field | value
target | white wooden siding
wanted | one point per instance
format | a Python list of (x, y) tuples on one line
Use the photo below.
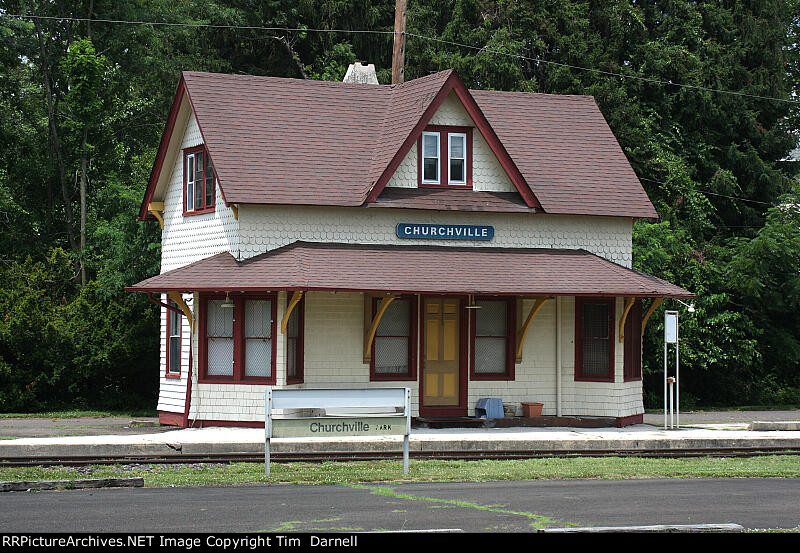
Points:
[(264, 228)]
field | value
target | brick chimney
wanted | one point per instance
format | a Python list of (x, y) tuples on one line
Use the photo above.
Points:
[(362, 74)]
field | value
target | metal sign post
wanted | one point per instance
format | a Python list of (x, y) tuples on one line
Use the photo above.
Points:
[(671, 337)]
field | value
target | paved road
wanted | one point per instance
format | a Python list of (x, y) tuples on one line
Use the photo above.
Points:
[(476, 507), (722, 417), (41, 427)]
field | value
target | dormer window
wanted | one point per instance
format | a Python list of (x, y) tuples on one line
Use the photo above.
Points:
[(430, 158), (445, 157), (199, 192)]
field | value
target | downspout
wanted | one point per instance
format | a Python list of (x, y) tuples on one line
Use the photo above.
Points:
[(558, 356)]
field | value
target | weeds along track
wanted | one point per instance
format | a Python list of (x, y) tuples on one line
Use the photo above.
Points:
[(379, 456)]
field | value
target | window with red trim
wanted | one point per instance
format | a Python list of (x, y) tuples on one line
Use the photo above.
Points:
[(594, 339), (237, 339), (445, 157), (199, 182), (394, 345), (492, 343), (294, 343), (174, 324), (633, 343)]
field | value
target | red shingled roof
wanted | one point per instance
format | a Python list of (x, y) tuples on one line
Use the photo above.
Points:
[(291, 141), (423, 269)]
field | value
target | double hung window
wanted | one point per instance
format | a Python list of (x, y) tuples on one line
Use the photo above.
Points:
[(238, 339), (633, 343), (594, 339), (173, 342), (294, 344), (199, 181), (445, 157), (394, 344), (493, 322)]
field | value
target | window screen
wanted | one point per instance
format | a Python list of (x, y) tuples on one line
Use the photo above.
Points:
[(392, 339), (219, 333), (258, 338), (491, 337), (596, 340)]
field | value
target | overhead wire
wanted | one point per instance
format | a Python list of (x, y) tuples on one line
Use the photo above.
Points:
[(437, 40)]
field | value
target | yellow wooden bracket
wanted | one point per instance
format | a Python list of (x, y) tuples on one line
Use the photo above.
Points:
[(156, 209), (628, 305), (537, 305), (296, 297), (178, 299), (384, 305), (235, 209), (653, 307)]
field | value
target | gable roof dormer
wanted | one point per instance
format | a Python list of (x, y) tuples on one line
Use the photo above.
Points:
[(288, 141)]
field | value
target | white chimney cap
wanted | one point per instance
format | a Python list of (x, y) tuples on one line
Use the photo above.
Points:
[(361, 74)]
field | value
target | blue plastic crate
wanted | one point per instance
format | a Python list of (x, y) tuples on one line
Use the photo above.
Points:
[(490, 408)]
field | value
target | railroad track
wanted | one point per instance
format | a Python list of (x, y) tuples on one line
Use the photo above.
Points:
[(378, 456)]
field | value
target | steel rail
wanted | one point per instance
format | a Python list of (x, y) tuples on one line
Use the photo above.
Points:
[(311, 457)]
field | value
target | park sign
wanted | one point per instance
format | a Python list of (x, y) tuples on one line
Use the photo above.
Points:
[(318, 427), (348, 412), (444, 232)]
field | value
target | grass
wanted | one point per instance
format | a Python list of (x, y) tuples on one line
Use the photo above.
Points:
[(782, 466), (76, 413), (712, 409)]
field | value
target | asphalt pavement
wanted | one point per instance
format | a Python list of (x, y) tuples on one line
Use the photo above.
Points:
[(519, 506)]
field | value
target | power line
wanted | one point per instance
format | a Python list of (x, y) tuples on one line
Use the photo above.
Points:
[(607, 73), (705, 192), (413, 35)]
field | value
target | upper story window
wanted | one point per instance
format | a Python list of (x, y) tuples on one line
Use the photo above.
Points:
[(199, 183), (445, 157)]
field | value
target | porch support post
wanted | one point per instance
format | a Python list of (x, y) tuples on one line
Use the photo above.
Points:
[(537, 305), (384, 305), (296, 297), (178, 299), (628, 305), (558, 355), (653, 307)]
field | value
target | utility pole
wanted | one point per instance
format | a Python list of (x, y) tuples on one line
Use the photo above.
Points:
[(399, 50)]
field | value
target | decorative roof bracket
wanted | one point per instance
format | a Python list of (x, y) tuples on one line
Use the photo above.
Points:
[(296, 297), (537, 305), (369, 338)]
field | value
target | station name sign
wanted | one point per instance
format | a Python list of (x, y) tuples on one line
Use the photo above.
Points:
[(444, 232), (337, 426)]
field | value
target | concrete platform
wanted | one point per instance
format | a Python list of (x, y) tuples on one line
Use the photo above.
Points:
[(251, 441)]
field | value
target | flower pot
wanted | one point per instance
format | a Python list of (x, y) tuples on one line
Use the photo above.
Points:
[(532, 410)]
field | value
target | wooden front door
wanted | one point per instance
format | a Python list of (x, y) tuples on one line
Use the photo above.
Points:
[(441, 354)]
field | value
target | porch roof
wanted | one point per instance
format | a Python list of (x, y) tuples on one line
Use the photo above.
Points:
[(416, 269)]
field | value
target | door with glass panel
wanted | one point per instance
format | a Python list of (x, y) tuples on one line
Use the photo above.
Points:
[(441, 352)]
